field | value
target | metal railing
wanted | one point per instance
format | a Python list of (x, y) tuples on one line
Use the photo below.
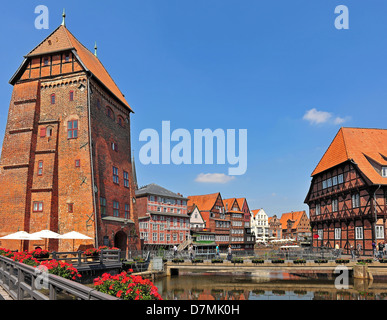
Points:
[(78, 258), (24, 282)]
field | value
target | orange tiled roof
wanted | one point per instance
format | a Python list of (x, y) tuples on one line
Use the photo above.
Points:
[(62, 39), (360, 145), (255, 212), (203, 202), (229, 203), (296, 216)]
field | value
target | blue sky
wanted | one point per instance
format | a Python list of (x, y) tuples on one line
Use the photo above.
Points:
[(269, 67)]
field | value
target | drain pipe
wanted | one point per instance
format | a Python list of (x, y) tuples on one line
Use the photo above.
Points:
[(91, 162)]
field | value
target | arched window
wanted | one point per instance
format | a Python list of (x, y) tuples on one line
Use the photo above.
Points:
[(121, 121), (109, 112), (53, 98)]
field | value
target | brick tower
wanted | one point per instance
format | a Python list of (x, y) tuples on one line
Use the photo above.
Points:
[(66, 156)]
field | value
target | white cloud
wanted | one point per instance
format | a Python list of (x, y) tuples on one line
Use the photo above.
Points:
[(213, 178), (315, 116)]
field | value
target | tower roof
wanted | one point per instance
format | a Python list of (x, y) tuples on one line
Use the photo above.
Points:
[(61, 39), (367, 148)]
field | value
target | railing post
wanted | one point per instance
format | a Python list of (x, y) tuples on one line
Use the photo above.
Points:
[(79, 258), (101, 257), (54, 256)]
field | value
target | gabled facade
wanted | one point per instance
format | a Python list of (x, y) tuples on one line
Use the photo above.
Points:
[(275, 228), (295, 225), (212, 209), (66, 163), (347, 195), (249, 237), (259, 224)]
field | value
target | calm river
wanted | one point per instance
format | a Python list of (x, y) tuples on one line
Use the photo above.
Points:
[(271, 286)]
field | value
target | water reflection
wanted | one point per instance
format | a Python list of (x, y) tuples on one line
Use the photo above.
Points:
[(278, 287)]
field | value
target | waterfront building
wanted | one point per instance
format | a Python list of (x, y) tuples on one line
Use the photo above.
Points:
[(66, 162), (162, 215), (237, 228), (348, 192), (213, 212), (275, 228), (248, 237), (295, 225), (260, 224)]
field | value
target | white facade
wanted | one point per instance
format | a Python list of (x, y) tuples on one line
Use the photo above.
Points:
[(260, 225), (196, 220)]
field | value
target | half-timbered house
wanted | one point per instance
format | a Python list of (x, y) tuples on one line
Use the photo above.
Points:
[(347, 195)]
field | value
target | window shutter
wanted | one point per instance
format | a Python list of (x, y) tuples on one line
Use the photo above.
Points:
[(42, 132)]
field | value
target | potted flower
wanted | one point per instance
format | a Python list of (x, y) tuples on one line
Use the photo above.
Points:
[(299, 261), (217, 260), (237, 260), (278, 260), (342, 261), (256, 260), (127, 287), (40, 254)]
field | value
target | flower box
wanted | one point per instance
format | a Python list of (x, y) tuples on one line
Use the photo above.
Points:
[(321, 261), (383, 260), (278, 261), (257, 261), (177, 260), (237, 260), (217, 260), (299, 261), (197, 260), (342, 260)]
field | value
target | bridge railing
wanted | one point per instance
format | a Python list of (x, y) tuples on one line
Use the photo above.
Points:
[(24, 282), (78, 258)]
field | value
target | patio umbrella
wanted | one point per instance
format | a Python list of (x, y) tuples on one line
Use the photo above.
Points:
[(74, 235), (20, 235), (46, 234)]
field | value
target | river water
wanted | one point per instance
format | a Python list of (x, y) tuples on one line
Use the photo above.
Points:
[(270, 286)]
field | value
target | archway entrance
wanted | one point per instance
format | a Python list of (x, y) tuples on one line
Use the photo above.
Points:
[(120, 241)]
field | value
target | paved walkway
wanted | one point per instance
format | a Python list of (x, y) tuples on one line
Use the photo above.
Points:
[(4, 295)]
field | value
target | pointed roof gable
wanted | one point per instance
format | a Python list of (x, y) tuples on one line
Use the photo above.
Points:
[(61, 39), (296, 216), (204, 202), (229, 204), (366, 147)]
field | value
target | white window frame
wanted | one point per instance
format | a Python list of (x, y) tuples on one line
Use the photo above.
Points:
[(318, 209), (384, 172), (379, 232), (359, 233), (320, 233), (337, 233), (335, 205)]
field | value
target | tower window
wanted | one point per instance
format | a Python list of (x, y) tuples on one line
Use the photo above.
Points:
[(126, 179), (38, 206), (77, 163), (127, 211), (70, 207), (40, 168), (102, 203), (71, 96), (53, 98), (72, 129), (109, 113), (115, 175), (116, 209)]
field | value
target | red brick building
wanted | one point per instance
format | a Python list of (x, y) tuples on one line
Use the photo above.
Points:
[(212, 209), (275, 228), (348, 193), (295, 225), (162, 215), (66, 162)]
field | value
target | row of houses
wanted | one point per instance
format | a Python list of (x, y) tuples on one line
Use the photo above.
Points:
[(167, 218), (294, 225)]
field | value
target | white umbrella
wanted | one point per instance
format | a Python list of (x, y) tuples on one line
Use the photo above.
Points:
[(46, 234), (74, 235), (20, 235)]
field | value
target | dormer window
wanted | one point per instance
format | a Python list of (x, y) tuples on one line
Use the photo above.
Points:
[(384, 172)]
